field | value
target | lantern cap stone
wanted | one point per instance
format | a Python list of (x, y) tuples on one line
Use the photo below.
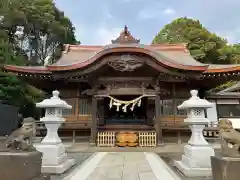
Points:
[(195, 102), (54, 102)]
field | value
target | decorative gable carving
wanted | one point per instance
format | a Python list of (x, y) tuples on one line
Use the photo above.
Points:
[(125, 63), (125, 37)]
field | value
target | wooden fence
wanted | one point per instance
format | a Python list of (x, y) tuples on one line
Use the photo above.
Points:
[(106, 139), (147, 139)]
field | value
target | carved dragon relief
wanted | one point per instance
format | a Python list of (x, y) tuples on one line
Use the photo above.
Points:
[(125, 63), (230, 139)]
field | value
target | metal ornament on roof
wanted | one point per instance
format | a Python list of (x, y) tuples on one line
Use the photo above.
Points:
[(125, 63), (125, 37)]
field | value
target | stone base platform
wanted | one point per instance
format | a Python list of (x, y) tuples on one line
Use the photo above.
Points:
[(192, 172), (59, 169), (195, 161), (225, 168), (55, 159), (23, 165)]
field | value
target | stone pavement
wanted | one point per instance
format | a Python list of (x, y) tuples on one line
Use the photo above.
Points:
[(124, 166), (164, 148)]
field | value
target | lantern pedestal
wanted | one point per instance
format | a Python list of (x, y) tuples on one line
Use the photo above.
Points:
[(55, 159), (52, 130), (195, 161), (197, 153)]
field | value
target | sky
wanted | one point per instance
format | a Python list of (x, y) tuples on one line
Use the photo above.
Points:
[(97, 22)]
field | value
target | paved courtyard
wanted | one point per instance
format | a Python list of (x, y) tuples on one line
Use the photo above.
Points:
[(94, 163), (124, 166)]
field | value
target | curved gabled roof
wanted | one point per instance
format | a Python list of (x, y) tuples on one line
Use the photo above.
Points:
[(80, 56), (174, 56), (222, 68), (169, 55), (28, 69)]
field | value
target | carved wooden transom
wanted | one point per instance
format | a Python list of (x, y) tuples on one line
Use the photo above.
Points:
[(125, 63)]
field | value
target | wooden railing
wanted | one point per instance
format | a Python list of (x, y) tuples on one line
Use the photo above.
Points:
[(143, 139), (147, 139), (106, 139)]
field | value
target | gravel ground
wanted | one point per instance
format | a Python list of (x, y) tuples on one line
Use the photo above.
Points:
[(170, 157), (79, 158)]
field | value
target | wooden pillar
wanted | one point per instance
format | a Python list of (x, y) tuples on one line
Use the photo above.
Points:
[(77, 105), (158, 127), (94, 121), (150, 110), (100, 110), (174, 103)]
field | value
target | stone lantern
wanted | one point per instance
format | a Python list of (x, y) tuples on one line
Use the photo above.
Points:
[(197, 153), (54, 159)]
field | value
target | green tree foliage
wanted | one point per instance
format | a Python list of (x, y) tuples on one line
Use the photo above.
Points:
[(7, 53), (38, 27), (31, 31), (230, 53), (223, 86), (12, 90), (203, 45)]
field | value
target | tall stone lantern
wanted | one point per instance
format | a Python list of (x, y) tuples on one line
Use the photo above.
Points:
[(54, 159), (197, 153)]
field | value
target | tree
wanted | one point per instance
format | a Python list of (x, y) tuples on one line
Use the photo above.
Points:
[(37, 27), (230, 53), (30, 31), (203, 45)]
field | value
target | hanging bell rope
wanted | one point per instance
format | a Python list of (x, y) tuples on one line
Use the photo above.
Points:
[(124, 104)]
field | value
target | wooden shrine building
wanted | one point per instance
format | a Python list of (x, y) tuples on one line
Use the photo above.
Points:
[(124, 91)]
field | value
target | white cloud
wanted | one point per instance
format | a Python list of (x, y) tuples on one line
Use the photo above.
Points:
[(106, 13), (104, 35), (126, 1), (146, 14), (232, 36), (155, 11), (168, 11)]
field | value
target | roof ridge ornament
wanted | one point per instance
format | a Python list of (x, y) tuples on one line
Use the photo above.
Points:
[(125, 37)]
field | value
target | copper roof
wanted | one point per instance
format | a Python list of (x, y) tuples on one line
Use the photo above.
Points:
[(28, 69), (175, 56), (168, 55), (80, 56)]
